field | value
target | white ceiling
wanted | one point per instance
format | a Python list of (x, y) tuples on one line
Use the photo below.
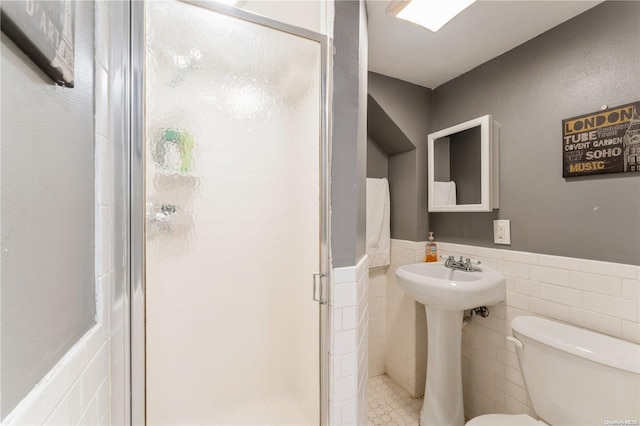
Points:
[(482, 32)]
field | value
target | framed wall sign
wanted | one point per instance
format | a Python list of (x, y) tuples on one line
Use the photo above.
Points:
[(44, 30), (607, 141)]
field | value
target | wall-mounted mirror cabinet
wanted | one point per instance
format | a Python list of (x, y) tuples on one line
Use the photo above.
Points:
[(464, 167)]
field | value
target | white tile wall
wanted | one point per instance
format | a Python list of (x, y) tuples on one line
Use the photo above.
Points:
[(599, 296), (362, 283), (377, 319), (406, 326), (74, 390), (77, 390), (348, 356)]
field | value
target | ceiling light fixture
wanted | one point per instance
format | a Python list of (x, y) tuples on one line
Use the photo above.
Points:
[(431, 14)]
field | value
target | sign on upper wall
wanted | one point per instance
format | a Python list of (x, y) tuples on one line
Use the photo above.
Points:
[(44, 30), (606, 141)]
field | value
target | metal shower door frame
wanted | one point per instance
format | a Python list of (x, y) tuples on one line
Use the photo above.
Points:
[(138, 204)]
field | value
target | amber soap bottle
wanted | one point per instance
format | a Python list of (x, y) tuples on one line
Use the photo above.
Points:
[(431, 254)]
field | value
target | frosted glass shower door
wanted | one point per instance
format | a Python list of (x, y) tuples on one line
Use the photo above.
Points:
[(233, 140)]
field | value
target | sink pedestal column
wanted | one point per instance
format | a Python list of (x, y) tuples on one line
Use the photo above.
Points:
[(443, 404)]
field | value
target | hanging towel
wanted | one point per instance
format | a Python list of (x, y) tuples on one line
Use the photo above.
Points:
[(378, 222), (444, 193)]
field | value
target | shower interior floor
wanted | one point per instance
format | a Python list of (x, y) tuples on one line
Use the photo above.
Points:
[(390, 405)]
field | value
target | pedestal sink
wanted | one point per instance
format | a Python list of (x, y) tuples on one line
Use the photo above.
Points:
[(446, 293)]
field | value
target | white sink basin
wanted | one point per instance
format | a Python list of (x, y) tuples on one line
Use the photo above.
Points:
[(446, 294), (434, 285)]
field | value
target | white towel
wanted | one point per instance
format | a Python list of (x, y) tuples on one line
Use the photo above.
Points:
[(378, 222), (444, 193)]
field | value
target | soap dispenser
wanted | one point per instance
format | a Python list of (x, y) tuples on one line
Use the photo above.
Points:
[(431, 254)]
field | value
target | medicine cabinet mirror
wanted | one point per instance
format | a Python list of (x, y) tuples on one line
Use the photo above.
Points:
[(463, 167)]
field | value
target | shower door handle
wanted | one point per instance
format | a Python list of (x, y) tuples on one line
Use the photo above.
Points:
[(317, 277)]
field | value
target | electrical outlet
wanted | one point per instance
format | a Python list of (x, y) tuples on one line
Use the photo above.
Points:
[(502, 231)]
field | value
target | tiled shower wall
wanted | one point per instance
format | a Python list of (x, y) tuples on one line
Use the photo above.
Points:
[(599, 296), (77, 389), (348, 355)]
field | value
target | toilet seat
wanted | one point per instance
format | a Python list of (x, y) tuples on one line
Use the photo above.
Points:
[(505, 420)]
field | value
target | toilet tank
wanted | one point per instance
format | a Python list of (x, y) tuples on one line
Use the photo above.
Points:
[(576, 376)]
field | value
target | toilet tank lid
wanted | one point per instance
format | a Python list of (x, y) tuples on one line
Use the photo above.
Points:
[(586, 344)]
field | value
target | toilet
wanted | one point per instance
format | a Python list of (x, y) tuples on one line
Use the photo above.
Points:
[(573, 376)]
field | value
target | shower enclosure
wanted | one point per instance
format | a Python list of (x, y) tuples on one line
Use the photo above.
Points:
[(227, 300)]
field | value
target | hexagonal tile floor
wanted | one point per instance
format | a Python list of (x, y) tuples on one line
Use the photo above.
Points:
[(390, 405)]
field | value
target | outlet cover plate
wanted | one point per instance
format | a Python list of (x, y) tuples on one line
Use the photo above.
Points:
[(502, 231)]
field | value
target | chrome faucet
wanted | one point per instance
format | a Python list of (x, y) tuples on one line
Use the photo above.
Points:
[(462, 265)]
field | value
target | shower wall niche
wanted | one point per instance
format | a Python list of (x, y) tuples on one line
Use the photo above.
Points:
[(399, 120)]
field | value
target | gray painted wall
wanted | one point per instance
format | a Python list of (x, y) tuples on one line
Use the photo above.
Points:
[(377, 160), (363, 85), (442, 155), (464, 165), (410, 108), (403, 193), (348, 168), (591, 60), (385, 131), (47, 167)]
